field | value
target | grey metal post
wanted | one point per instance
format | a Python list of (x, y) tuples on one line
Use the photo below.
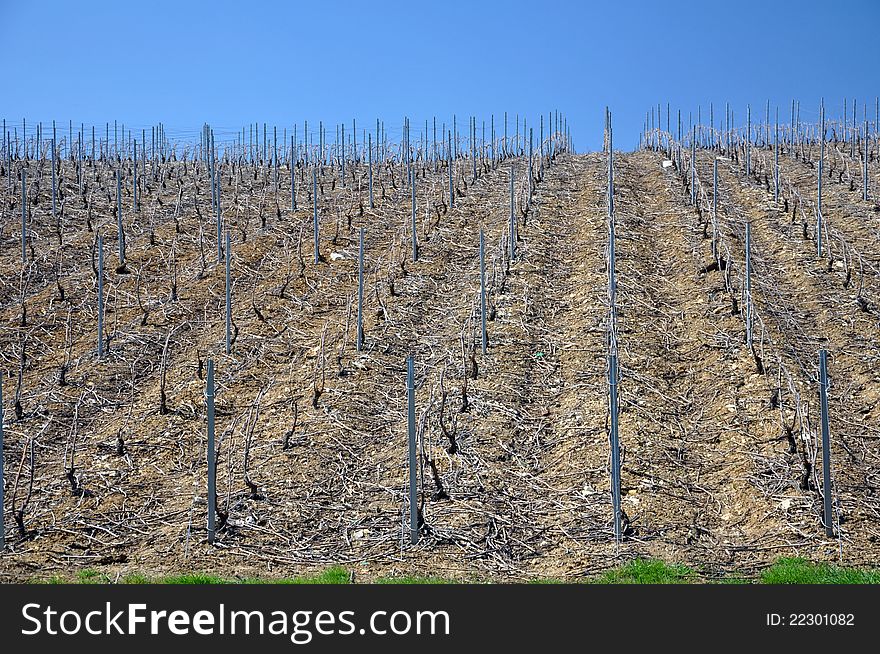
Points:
[(612, 345), (866, 146), (715, 207), (54, 184), (216, 182), (23, 216), (411, 432), (749, 283), (819, 181), (776, 158), (852, 141), (415, 242), (292, 172), (134, 184), (531, 171), (749, 141), (120, 239), (100, 296), (826, 443), (610, 166), (449, 163), (211, 174), (711, 124), (7, 140), (492, 139), (406, 149), (474, 146), (612, 254), (512, 218), (343, 155), (2, 524), (615, 444), (315, 211), (212, 459), (679, 126), (228, 296), (378, 142), (360, 316), (694, 165), (484, 335), (370, 164), (541, 140)]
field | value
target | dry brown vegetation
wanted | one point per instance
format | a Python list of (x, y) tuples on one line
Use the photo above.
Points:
[(106, 459)]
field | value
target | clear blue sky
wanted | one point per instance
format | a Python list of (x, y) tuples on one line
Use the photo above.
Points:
[(229, 63)]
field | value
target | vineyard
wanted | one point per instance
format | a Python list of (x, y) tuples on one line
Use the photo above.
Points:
[(473, 354)]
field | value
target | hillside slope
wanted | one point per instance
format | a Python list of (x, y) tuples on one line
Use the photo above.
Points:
[(514, 459)]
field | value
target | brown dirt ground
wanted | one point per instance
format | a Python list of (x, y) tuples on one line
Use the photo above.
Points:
[(708, 477)]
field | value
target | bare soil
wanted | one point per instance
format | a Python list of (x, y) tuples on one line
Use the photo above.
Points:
[(721, 465)]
